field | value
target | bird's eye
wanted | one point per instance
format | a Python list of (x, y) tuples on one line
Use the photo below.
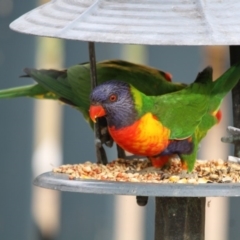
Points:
[(113, 98)]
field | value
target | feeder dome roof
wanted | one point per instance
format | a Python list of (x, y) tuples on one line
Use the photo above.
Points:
[(165, 22)]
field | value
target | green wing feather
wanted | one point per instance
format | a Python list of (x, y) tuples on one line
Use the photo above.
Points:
[(73, 85), (182, 111)]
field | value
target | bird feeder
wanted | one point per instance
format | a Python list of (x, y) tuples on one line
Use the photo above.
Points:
[(180, 208)]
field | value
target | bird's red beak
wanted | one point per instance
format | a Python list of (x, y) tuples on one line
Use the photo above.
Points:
[(96, 111)]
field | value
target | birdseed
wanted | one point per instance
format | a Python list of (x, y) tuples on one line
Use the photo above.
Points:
[(125, 170)]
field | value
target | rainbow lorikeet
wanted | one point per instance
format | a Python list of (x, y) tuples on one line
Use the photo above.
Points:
[(73, 86), (159, 126)]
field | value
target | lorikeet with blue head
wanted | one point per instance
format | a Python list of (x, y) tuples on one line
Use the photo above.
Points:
[(160, 126), (73, 85)]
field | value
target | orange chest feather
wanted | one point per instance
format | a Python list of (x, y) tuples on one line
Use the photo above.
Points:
[(146, 137)]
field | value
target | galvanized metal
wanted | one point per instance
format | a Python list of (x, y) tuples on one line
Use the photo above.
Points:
[(58, 181), (168, 22)]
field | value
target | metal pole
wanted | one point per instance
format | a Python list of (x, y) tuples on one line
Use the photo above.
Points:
[(92, 59), (180, 218), (100, 152)]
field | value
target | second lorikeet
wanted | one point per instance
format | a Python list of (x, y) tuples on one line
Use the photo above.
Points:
[(73, 85), (159, 126)]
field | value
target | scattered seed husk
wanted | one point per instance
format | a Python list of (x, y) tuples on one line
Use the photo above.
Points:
[(125, 170)]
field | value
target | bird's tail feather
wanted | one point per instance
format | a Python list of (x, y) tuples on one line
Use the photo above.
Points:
[(34, 90), (227, 81)]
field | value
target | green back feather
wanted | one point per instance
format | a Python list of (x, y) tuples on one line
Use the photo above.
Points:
[(73, 86)]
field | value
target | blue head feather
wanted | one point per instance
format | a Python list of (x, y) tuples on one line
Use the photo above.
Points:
[(120, 112)]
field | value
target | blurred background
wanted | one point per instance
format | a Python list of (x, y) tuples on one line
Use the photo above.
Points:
[(36, 136)]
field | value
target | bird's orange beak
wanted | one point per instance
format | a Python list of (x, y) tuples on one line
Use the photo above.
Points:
[(96, 111)]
